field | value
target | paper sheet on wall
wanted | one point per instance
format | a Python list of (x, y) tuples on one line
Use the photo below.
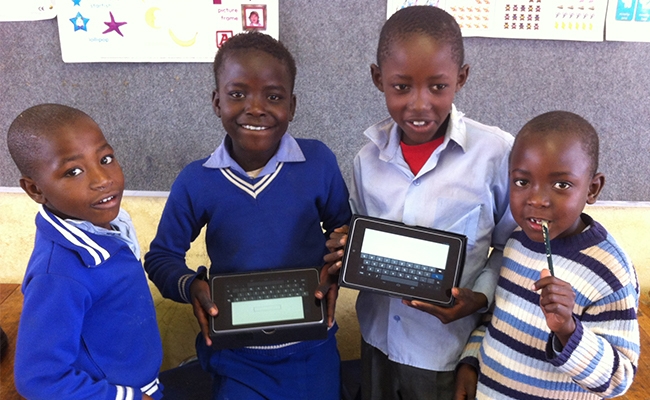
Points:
[(157, 30), (628, 20), (26, 10), (522, 19)]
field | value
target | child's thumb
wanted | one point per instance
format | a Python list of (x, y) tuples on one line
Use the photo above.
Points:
[(545, 272)]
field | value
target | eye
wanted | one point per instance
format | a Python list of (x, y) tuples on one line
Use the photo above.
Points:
[(275, 97), (439, 86), (236, 95), (400, 87), (520, 182), (562, 185), (73, 172), (107, 159)]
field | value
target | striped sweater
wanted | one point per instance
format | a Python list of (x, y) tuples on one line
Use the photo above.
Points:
[(516, 354)]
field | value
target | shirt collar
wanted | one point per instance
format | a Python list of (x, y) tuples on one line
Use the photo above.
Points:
[(288, 151), (85, 239), (385, 135), (123, 229)]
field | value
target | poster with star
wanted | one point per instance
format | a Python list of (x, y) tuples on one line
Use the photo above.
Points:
[(157, 30), (628, 20), (582, 20)]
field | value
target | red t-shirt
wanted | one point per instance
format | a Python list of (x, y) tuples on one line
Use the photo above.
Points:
[(417, 155)]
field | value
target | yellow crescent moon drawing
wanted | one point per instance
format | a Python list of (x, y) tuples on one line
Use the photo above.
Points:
[(150, 17), (184, 43)]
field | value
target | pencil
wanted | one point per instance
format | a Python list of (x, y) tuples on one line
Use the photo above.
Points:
[(547, 244)]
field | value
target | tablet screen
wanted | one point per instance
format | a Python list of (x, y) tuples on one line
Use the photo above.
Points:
[(267, 310), (404, 248)]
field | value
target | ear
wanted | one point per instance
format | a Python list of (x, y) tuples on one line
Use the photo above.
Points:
[(595, 187), (31, 188), (463, 74), (292, 107), (375, 72), (215, 102)]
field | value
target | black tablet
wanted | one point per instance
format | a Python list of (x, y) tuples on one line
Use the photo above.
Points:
[(410, 262), (266, 308)]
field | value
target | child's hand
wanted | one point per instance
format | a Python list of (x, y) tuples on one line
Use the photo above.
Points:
[(557, 300), (335, 245), (203, 305), (466, 303), (328, 290), (466, 380), (145, 397)]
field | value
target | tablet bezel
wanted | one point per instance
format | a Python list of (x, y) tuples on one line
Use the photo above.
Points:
[(350, 276), (314, 310)]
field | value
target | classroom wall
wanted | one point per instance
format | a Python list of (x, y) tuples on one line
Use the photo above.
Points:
[(158, 116), (627, 222)]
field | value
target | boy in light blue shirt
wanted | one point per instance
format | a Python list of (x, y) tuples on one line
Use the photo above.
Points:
[(430, 166)]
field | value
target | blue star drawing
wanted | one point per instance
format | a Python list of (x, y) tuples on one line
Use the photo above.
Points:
[(76, 3), (79, 22), (114, 26)]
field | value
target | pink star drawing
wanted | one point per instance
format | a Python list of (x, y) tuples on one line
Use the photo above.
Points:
[(114, 26)]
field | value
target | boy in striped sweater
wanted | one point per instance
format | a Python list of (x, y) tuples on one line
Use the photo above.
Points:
[(571, 335)]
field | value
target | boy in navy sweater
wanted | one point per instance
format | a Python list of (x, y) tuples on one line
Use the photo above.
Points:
[(262, 196), (88, 328)]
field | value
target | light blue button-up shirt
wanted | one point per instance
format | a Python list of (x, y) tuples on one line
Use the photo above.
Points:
[(462, 188)]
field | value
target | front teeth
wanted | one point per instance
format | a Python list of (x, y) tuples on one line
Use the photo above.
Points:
[(418, 123), (106, 200), (254, 128)]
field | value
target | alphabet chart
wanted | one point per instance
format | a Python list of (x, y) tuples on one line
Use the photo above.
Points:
[(524, 19), (157, 30)]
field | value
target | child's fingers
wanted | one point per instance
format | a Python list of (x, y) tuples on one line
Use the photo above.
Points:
[(545, 279), (335, 268), (328, 289), (333, 257), (332, 295), (336, 241), (202, 317)]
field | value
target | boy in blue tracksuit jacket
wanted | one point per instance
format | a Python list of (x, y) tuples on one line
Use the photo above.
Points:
[(88, 328)]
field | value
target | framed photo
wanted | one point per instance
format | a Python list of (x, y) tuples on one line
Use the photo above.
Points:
[(254, 16)]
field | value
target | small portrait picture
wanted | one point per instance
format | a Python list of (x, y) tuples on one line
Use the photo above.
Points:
[(254, 16)]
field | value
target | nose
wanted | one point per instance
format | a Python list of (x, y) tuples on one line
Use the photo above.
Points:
[(100, 178), (538, 197), (420, 100), (255, 105)]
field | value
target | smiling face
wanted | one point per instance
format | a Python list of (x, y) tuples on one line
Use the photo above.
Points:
[(419, 78), (551, 180), (255, 102), (78, 176)]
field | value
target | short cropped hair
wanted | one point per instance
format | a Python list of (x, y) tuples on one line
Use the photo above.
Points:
[(566, 123), (254, 40), (29, 129), (422, 20)]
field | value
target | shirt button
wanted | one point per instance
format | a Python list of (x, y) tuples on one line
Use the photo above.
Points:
[(416, 182), (396, 318)]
